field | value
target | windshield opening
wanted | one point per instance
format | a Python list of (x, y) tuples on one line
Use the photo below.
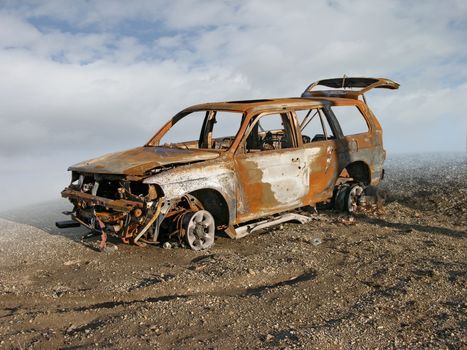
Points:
[(203, 129)]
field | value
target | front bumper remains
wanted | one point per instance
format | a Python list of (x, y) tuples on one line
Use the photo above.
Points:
[(135, 222)]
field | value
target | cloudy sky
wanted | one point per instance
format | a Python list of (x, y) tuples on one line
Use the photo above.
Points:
[(81, 78)]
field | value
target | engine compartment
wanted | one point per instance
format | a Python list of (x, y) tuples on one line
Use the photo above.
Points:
[(136, 212)]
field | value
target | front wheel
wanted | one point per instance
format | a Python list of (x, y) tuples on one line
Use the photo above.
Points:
[(199, 229)]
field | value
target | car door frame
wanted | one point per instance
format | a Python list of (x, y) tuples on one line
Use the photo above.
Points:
[(259, 193), (321, 158)]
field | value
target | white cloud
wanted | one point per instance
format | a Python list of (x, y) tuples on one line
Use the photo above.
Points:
[(80, 78)]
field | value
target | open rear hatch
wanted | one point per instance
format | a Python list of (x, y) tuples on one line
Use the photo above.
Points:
[(351, 87)]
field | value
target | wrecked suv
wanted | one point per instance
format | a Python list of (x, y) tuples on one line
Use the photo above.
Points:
[(235, 166)]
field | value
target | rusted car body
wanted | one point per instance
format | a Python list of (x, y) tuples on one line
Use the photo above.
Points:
[(191, 189)]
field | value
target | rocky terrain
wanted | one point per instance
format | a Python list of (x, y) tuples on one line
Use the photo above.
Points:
[(394, 278)]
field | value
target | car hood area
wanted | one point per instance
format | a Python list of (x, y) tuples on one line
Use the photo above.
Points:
[(138, 161)]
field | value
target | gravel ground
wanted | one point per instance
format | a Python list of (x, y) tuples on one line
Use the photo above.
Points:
[(393, 279)]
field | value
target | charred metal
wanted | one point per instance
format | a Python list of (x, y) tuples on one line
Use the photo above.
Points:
[(282, 155)]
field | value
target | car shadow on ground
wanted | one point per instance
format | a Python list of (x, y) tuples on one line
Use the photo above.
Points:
[(404, 227)]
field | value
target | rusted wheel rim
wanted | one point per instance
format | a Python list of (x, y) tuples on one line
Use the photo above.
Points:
[(355, 191), (200, 230)]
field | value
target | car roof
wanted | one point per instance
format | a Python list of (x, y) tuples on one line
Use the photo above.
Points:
[(263, 104)]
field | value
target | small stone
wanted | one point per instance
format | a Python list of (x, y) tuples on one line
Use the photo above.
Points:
[(316, 241), (110, 249)]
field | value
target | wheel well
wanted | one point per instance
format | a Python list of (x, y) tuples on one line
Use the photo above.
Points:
[(360, 172), (215, 203)]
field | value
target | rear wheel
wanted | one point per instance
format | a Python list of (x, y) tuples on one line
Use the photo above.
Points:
[(352, 198), (199, 229), (339, 197), (347, 196)]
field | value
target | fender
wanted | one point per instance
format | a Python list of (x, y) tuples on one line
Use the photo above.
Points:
[(179, 181)]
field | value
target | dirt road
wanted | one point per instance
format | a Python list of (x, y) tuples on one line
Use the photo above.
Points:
[(395, 279)]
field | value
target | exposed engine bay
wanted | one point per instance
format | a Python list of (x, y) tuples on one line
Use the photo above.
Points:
[(136, 212)]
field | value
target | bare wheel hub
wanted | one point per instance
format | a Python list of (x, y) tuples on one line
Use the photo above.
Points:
[(347, 197), (200, 229), (354, 193)]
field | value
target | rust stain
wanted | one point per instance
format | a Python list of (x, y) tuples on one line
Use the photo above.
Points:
[(138, 161), (255, 196)]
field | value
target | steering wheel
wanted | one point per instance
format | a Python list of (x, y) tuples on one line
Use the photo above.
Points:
[(268, 142)]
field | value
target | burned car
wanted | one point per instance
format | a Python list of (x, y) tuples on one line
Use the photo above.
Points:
[(236, 167)]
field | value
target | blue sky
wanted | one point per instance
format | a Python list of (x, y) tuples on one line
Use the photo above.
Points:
[(83, 78)]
